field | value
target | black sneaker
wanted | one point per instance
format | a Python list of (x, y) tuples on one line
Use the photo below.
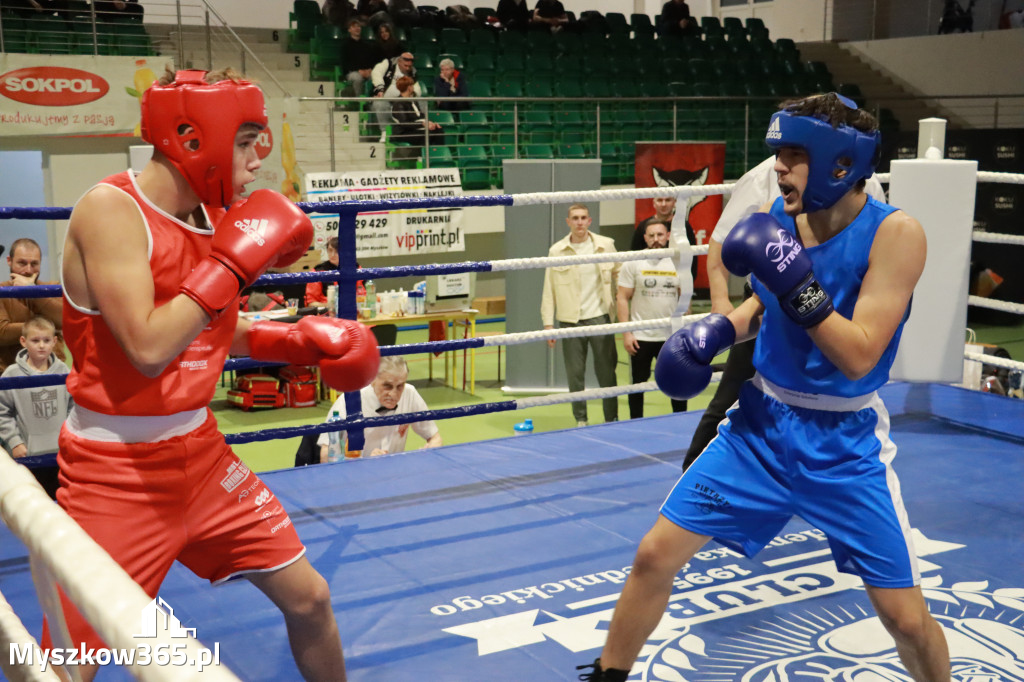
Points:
[(598, 674)]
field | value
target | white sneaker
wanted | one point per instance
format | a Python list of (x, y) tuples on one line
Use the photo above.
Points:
[(383, 138), (581, 423)]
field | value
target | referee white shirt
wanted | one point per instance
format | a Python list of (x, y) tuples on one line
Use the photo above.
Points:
[(387, 438)]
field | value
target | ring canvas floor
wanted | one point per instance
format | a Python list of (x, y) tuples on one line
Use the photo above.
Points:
[(503, 559)]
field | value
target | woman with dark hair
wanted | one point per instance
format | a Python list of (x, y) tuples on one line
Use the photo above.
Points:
[(316, 292), (388, 46)]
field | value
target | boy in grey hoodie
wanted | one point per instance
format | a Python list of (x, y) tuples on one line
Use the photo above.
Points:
[(31, 418)]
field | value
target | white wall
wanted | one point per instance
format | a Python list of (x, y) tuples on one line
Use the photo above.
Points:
[(985, 63)]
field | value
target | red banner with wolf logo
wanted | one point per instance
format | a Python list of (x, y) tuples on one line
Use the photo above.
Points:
[(668, 164)]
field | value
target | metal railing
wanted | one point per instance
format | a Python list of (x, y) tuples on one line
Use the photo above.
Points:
[(169, 29), (606, 127)]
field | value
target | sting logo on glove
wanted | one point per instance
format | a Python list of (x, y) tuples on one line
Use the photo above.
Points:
[(809, 299), (777, 251)]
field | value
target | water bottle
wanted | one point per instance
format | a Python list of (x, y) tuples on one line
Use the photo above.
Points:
[(524, 428), (335, 441), (371, 298)]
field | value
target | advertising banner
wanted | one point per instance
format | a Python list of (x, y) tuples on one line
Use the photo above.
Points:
[(680, 164), (42, 95), (391, 233)]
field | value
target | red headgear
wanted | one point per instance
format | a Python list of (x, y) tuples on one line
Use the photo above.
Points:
[(214, 112)]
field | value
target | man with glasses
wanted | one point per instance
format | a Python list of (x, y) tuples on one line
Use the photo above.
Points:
[(384, 77)]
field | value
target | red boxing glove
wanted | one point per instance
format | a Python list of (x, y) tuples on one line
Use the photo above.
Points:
[(345, 350), (266, 230)]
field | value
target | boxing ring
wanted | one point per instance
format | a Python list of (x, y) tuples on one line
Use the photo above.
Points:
[(503, 559)]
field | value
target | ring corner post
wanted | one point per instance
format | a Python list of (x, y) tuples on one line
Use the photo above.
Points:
[(347, 267)]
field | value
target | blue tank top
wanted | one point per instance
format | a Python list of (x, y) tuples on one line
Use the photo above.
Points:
[(784, 353)]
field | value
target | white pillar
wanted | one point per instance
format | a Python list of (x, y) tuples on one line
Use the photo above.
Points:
[(940, 195)]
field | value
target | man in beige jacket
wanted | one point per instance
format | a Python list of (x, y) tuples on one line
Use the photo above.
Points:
[(583, 295)]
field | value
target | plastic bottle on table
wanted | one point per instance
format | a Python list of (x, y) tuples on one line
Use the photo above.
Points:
[(371, 298), (335, 441), (524, 428), (360, 300), (332, 300)]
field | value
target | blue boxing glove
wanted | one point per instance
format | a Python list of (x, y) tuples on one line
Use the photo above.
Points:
[(758, 244), (683, 368)]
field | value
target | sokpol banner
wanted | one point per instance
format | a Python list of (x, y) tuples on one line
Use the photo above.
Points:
[(62, 95), (45, 95), (391, 233)]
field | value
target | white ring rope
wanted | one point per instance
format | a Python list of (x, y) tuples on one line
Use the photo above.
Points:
[(983, 176), (1001, 178), (1005, 306), (518, 338), (13, 633), (106, 595), (1005, 363), (614, 257), (997, 238), (589, 394), (678, 191), (592, 394)]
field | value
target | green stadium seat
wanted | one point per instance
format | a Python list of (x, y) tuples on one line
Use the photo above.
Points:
[(50, 35), (510, 41), (453, 39), (15, 33), (324, 55), (498, 153), (486, 39), (437, 156), (421, 35), (609, 155), (642, 26), (617, 24), (539, 87), (131, 38), (503, 120), (538, 151), (445, 118), (470, 156), (755, 25), (302, 22), (478, 88), (733, 25), (710, 23), (575, 134), (482, 14), (571, 151), (482, 61)]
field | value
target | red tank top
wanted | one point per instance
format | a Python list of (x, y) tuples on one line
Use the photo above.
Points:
[(102, 379)]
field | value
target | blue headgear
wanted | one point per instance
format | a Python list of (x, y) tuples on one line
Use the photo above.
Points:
[(828, 150)]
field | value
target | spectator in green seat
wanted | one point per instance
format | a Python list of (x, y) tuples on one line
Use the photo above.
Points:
[(450, 83)]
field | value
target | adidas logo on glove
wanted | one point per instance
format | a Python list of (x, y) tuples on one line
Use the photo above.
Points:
[(256, 228), (774, 131)]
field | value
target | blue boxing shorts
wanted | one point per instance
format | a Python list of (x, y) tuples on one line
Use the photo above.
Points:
[(780, 453)]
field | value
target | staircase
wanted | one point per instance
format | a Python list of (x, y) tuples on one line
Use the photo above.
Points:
[(878, 88), (311, 128)]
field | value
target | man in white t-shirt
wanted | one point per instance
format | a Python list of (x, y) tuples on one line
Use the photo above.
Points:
[(757, 187), (578, 296), (388, 394), (648, 290)]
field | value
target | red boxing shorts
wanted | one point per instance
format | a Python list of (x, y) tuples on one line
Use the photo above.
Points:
[(188, 498)]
